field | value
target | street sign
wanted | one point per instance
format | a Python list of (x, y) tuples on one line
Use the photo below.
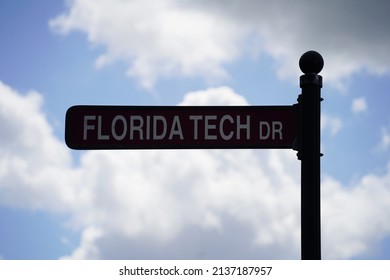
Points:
[(295, 127), (180, 127)]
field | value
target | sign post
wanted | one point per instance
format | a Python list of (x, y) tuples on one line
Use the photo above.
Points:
[(311, 63), (220, 127)]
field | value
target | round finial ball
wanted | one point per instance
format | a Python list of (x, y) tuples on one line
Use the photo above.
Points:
[(311, 62)]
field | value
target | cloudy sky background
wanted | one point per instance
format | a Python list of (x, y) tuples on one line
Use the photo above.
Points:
[(192, 204)]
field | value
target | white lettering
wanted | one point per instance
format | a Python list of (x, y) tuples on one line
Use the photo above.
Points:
[(277, 129), (196, 119), (222, 131), (87, 126), (244, 126), (100, 135), (273, 130), (208, 127), (176, 128), (134, 127), (265, 135), (163, 121), (147, 127), (113, 128)]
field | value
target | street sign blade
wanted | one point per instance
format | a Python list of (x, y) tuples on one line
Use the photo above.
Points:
[(180, 127)]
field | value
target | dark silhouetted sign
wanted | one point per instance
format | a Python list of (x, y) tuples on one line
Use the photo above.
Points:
[(295, 127), (180, 127)]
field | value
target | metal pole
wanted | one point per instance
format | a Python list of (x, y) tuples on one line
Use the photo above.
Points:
[(309, 110)]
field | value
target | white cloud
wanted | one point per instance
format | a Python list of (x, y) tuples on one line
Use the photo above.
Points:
[(351, 36), (88, 248), (385, 139), (359, 105), (157, 39), (351, 216), (331, 124), (180, 204), (214, 96), (34, 165), (198, 38)]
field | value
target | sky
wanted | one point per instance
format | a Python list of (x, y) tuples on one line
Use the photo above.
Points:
[(57, 203)]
